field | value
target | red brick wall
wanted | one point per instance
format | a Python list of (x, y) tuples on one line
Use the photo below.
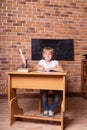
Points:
[(22, 20)]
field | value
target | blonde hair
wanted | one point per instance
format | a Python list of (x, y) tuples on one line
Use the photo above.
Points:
[(51, 50)]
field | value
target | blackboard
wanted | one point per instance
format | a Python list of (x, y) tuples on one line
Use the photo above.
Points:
[(63, 48)]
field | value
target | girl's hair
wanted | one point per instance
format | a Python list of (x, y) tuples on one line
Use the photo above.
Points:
[(51, 50)]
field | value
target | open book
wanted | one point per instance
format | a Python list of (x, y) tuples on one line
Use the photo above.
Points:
[(50, 71), (55, 70)]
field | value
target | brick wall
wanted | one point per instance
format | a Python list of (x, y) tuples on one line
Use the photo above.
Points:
[(22, 20)]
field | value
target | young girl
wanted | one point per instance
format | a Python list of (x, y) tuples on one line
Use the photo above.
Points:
[(47, 64)]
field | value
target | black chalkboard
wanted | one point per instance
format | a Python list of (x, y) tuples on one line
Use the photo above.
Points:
[(63, 48)]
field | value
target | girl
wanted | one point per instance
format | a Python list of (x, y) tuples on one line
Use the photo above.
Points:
[(48, 64)]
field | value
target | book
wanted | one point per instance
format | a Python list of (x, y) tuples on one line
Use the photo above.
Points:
[(23, 70), (50, 71), (55, 71)]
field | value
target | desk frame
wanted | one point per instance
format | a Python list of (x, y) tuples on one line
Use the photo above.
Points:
[(38, 81)]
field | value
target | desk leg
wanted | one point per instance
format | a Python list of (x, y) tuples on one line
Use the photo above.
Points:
[(11, 91), (14, 110), (62, 121), (62, 116)]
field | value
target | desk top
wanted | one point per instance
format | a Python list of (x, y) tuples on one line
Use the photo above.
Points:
[(36, 73)]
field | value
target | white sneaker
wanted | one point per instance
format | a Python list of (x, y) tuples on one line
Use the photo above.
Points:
[(51, 114), (45, 113)]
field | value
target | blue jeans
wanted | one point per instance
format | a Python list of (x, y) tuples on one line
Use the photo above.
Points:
[(56, 98)]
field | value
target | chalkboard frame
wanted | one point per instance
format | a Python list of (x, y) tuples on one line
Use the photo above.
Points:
[(63, 48)]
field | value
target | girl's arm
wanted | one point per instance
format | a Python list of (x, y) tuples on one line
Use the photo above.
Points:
[(38, 67), (56, 68)]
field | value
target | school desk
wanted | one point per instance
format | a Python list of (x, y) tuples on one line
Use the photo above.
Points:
[(37, 81)]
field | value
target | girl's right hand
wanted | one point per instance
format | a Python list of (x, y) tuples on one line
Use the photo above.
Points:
[(41, 68)]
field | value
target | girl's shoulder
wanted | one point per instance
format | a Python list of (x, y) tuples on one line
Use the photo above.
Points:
[(42, 61), (54, 61)]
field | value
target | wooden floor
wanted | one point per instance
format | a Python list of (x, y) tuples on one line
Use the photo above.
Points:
[(75, 116)]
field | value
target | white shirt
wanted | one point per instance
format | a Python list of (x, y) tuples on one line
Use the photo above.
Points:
[(52, 64)]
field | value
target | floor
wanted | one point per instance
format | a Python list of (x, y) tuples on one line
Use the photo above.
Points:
[(75, 115)]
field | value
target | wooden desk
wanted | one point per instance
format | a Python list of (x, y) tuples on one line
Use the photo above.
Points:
[(38, 81)]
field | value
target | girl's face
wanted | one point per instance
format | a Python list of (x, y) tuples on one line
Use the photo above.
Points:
[(47, 55)]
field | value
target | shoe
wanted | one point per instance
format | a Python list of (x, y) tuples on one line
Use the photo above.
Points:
[(45, 113), (51, 114)]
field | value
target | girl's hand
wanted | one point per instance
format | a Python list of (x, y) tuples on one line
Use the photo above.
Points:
[(47, 69), (41, 68)]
